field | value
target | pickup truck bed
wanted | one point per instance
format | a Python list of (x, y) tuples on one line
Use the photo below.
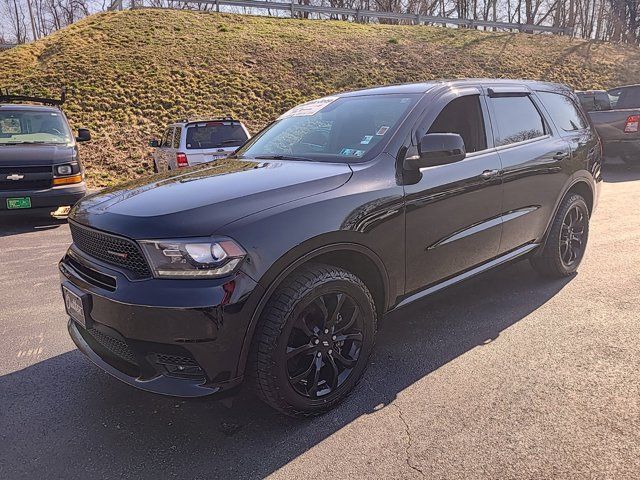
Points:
[(615, 115)]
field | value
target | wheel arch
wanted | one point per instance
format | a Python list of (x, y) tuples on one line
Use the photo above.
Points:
[(580, 185), (356, 258)]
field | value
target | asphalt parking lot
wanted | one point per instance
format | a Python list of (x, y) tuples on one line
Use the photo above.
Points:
[(508, 375)]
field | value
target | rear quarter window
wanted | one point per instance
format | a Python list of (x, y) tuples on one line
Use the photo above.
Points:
[(517, 120), (563, 111)]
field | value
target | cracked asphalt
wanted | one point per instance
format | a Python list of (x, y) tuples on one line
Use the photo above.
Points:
[(506, 376)]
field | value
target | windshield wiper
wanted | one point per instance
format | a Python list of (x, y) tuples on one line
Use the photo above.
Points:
[(38, 142), (281, 157)]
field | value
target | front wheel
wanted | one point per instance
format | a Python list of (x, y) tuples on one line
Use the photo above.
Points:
[(313, 340), (567, 240)]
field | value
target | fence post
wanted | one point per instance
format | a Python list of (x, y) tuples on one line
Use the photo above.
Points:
[(217, 6), (418, 19), (357, 15), (292, 12)]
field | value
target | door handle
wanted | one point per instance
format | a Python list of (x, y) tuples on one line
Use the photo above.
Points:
[(560, 155), (489, 174)]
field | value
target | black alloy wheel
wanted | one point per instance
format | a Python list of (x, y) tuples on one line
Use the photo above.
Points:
[(313, 340), (567, 239), (324, 344), (572, 235)]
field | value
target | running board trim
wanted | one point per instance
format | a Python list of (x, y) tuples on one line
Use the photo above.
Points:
[(468, 274)]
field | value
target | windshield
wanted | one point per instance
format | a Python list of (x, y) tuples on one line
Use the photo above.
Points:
[(215, 135), (332, 129), (28, 126)]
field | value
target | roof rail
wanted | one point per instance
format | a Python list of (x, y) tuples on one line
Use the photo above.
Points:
[(227, 118), (6, 97)]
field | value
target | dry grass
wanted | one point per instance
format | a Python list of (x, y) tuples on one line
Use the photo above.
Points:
[(132, 72)]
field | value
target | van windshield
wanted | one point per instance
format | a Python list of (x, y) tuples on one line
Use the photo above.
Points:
[(215, 135), (332, 129), (26, 127)]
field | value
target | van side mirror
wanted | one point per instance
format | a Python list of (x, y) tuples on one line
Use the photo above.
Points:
[(84, 135), (154, 143), (437, 149)]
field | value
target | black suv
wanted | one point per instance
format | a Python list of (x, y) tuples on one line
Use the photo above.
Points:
[(274, 265), (40, 169)]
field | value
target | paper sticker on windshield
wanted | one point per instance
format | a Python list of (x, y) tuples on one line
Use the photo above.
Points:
[(366, 139), (382, 130), (309, 108), (351, 152)]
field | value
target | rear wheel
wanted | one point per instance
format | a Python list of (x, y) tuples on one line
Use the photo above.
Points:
[(313, 340), (567, 240)]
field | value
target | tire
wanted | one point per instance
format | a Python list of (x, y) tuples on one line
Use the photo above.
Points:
[(559, 257), (335, 341)]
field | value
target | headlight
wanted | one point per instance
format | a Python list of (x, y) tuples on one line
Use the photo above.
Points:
[(64, 170), (193, 258)]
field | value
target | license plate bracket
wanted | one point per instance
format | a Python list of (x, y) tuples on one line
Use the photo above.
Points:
[(15, 203), (77, 305)]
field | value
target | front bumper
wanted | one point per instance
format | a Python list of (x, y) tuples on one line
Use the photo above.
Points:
[(51, 198), (173, 337)]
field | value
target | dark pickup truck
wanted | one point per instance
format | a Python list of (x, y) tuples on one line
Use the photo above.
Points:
[(39, 165), (615, 114)]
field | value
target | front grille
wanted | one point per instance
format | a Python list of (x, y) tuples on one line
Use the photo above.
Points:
[(24, 184), (112, 249), (114, 345), (34, 177), (26, 169), (92, 276)]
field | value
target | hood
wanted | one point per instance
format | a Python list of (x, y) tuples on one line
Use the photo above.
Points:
[(23, 155), (199, 200)]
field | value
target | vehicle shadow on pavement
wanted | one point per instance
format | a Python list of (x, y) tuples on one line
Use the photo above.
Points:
[(64, 418), (15, 225), (615, 173)]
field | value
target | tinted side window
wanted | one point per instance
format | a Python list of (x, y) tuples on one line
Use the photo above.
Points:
[(167, 138), (464, 117), (176, 137), (614, 96), (629, 98), (517, 120), (564, 112)]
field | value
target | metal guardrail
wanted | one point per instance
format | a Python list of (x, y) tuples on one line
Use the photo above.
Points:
[(7, 46), (358, 15)]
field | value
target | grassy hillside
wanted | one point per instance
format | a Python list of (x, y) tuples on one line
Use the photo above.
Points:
[(131, 72)]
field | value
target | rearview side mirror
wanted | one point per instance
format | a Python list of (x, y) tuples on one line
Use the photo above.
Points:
[(154, 143), (437, 149), (84, 135)]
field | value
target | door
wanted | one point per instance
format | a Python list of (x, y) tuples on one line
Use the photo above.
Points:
[(532, 154), (453, 211)]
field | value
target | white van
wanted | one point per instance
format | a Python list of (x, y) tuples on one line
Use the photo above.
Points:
[(188, 143)]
